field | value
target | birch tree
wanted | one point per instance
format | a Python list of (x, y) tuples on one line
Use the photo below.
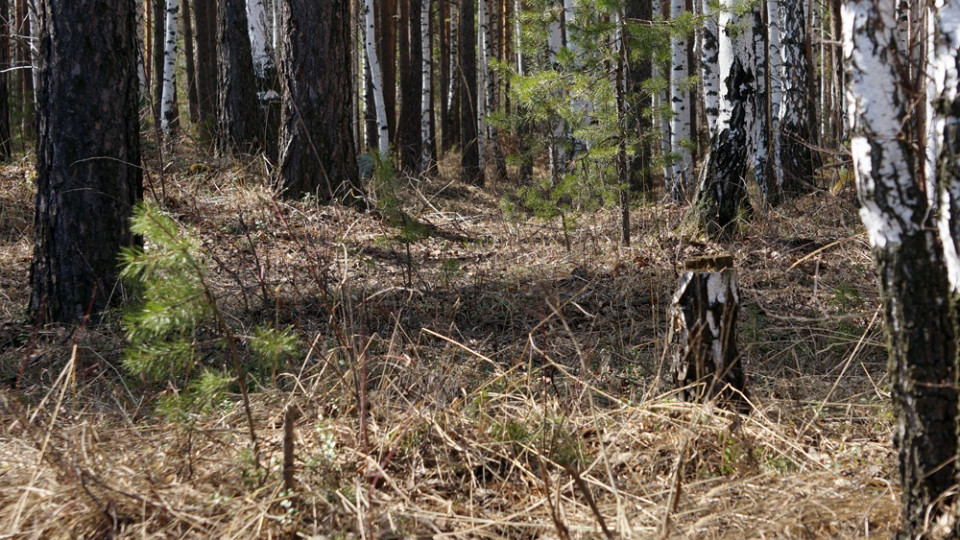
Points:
[(168, 99), (680, 119), (909, 258), (260, 50), (427, 143), (797, 159), (721, 195), (775, 67), (373, 61), (709, 68)]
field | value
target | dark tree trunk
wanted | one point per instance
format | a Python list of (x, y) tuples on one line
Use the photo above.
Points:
[(318, 154), (191, 68), (159, 33), (239, 119), (637, 72), (88, 155), (206, 31), (443, 8), (24, 60), (703, 332), (470, 170), (369, 110), (411, 84), (387, 49), (4, 87)]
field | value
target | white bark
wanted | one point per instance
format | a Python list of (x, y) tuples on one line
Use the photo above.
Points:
[(483, 79), (259, 27), (709, 72), (945, 73), (679, 104), (558, 157), (760, 115), (874, 109), (426, 102), (775, 74), (33, 10), (168, 96), (376, 76)]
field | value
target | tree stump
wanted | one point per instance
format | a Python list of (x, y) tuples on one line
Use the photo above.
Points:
[(703, 332)]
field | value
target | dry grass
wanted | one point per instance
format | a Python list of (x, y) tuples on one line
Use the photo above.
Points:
[(489, 383)]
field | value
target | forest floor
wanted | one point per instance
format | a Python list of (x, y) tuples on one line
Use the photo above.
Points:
[(472, 375)]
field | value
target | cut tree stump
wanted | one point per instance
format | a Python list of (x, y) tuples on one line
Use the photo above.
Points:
[(703, 333)]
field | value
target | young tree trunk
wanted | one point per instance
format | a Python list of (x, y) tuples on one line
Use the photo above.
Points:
[(376, 85), (169, 119), (428, 155), (680, 120), (239, 122), (188, 51), (5, 149), (443, 26), (451, 128), (910, 263), (24, 61), (470, 170), (760, 140), (159, 34), (775, 68), (796, 157), (491, 101), (88, 155), (318, 156), (721, 195)]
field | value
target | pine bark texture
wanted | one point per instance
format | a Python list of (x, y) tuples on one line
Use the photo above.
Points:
[(317, 152), (239, 119), (637, 72), (88, 155), (206, 29), (913, 281), (470, 170), (411, 80), (191, 66)]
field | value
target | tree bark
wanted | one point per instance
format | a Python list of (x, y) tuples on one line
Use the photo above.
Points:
[(703, 333), (5, 150), (88, 155), (428, 152), (721, 195), (206, 17), (470, 170), (24, 59), (797, 159), (375, 81), (910, 262), (188, 50), (318, 156), (680, 119), (239, 120), (408, 132), (169, 118), (637, 73), (159, 34)]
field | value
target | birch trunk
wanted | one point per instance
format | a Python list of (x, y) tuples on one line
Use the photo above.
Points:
[(188, 51), (709, 71), (427, 143), (680, 121), (796, 157), (259, 26), (721, 195), (168, 100), (911, 270), (369, 43), (775, 67)]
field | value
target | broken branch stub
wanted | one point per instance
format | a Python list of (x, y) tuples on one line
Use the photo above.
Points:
[(703, 333)]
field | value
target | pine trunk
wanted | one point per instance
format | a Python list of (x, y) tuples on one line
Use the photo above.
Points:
[(637, 73), (318, 155), (239, 122), (24, 61), (206, 30), (470, 170), (88, 155), (159, 35), (188, 51), (5, 150)]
